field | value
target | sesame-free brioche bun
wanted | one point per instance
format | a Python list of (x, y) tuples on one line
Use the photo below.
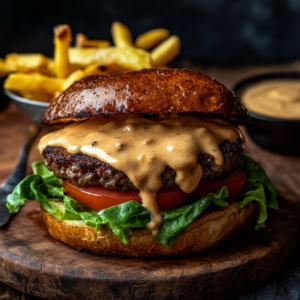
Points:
[(208, 230), (149, 91)]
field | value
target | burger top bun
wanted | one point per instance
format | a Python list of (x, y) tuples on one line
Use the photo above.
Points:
[(149, 91)]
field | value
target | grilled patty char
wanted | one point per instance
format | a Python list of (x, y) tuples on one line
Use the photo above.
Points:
[(86, 171)]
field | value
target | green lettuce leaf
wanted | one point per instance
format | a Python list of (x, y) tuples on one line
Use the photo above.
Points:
[(53, 184), (44, 186), (32, 187), (121, 233), (121, 217), (91, 220), (176, 220), (72, 209), (117, 218), (128, 214), (49, 178), (259, 188), (41, 186)]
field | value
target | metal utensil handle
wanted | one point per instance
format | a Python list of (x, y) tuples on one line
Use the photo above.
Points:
[(18, 174)]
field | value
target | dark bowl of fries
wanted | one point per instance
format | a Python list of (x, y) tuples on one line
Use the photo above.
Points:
[(34, 80)]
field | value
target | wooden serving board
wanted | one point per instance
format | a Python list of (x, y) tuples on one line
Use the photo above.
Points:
[(33, 262)]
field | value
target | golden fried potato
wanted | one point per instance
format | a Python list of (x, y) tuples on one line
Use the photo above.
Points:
[(4, 69), (49, 68), (36, 96), (76, 75), (102, 69), (83, 42), (80, 40), (129, 59), (151, 38), (34, 84), (62, 41), (121, 35), (95, 69), (166, 51), (41, 78), (26, 62)]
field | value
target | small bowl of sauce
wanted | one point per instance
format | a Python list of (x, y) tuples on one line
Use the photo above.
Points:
[(273, 101)]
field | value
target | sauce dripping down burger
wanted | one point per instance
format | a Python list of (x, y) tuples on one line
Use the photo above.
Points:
[(153, 136)]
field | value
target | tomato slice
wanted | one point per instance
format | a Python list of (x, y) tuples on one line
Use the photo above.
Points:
[(99, 198), (234, 182)]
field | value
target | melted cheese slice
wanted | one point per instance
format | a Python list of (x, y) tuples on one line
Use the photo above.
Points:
[(143, 148)]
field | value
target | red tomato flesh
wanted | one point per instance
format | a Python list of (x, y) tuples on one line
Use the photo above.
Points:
[(99, 198), (234, 182)]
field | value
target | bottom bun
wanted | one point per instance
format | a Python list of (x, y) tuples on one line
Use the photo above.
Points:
[(209, 230)]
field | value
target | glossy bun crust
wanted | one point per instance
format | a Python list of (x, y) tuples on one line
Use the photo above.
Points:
[(209, 230), (146, 91)]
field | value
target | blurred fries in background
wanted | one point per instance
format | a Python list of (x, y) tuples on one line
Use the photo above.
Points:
[(37, 77), (151, 38), (166, 51), (34, 83), (26, 62), (102, 69), (62, 42), (76, 75), (121, 35), (82, 41), (127, 58)]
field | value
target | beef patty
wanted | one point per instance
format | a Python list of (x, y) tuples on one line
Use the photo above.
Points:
[(85, 171)]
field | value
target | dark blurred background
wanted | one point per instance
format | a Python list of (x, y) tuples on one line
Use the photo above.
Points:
[(218, 32)]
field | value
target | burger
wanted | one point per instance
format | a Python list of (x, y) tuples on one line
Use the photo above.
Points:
[(148, 163)]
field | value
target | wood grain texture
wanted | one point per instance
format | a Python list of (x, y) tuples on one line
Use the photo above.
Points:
[(33, 262)]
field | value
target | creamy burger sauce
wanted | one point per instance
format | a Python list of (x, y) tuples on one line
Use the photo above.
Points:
[(275, 98), (142, 148)]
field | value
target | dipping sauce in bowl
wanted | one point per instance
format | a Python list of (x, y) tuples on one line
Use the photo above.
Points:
[(273, 102), (279, 98)]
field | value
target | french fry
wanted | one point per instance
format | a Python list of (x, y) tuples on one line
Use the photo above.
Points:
[(49, 68), (97, 44), (80, 40), (151, 38), (62, 41), (166, 51), (26, 62), (72, 78), (83, 42), (102, 69), (121, 35), (34, 83), (4, 70), (35, 96), (41, 78), (129, 59)]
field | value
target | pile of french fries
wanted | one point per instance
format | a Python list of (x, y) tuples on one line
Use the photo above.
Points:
[(37, 77)]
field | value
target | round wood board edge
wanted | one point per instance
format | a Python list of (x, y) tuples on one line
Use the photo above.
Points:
[(33, 262)]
